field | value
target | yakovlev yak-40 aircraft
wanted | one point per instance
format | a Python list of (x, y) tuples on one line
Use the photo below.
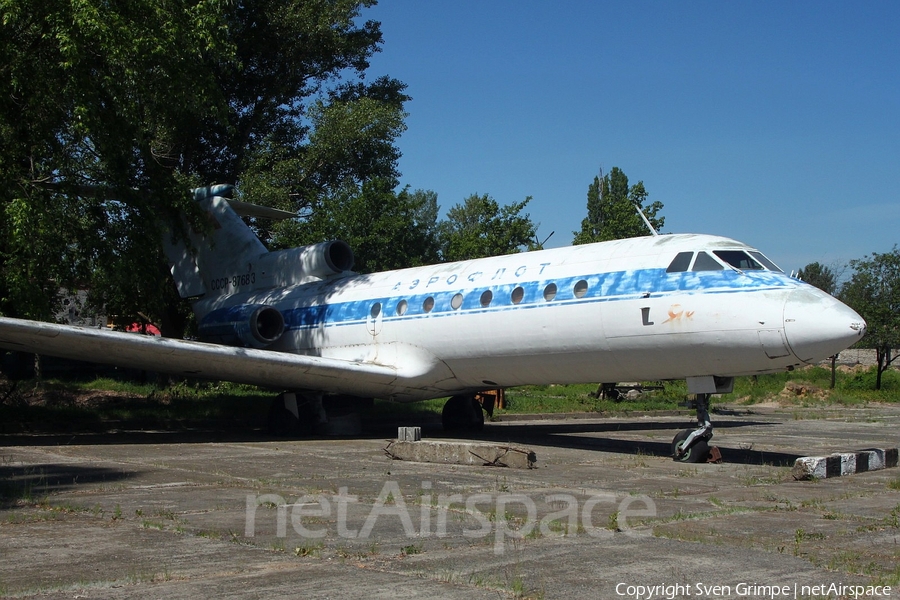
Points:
[(695, 307)]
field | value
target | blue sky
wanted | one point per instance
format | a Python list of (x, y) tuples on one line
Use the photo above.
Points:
[(775, 123)]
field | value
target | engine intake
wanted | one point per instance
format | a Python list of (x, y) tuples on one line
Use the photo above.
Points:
[(253, 325)]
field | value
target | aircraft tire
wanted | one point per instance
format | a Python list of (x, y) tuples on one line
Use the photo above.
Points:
[(695, 454), (462, 413)]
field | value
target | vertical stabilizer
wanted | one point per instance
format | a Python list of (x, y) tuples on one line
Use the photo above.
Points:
[(220, 262)]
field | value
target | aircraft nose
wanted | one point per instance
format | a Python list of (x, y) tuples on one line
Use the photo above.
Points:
[(817, 325)]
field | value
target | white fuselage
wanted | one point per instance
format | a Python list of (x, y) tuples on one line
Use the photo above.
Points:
[(606, 312)]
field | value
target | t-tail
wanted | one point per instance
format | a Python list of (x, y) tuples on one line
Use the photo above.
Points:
[(231, 259), (223, 268)]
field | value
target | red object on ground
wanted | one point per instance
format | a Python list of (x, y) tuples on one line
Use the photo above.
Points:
[(149, 328)]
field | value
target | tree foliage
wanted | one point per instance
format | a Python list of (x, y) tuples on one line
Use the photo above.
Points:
[(820, 276), (351, 140), (114, 110), (385, 229), (612, 213), (480, 227), (95, 96), (874, 292)]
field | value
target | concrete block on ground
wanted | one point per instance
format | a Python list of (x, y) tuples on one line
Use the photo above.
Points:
[(409, 434), (462, 453), (844, 463)]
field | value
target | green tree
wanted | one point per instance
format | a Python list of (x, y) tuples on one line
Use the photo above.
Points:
[(820, 276), (351, 139), (114, 110), (612, 213), (480, 227), (425, 209), (874, 292), (385, 229), (94, 97)]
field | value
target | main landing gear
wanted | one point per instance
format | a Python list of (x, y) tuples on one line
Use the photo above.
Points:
[(300, 414), (692, 445), (295, 414), (462, 413)]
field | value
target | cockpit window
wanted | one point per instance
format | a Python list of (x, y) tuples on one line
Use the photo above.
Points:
[(766, 262), (739, 260), (680, 263), (705, 262)]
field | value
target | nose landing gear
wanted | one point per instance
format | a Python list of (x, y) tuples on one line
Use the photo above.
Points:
[(692, 445)]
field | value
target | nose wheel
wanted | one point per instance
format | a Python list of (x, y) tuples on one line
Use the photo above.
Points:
[(692, 445), (697, 452)]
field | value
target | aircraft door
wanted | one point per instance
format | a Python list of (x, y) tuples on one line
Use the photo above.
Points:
[(374, 319)]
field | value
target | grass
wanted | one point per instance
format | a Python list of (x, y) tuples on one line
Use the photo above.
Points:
[(103, 402), (385, 409), (311, 550), (851, 389), (577, 398)]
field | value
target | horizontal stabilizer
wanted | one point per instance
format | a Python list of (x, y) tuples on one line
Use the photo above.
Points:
[(245, 209)]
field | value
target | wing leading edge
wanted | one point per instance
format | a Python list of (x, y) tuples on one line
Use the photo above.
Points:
[(198, 359)]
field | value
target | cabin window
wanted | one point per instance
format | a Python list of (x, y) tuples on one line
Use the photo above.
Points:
[(581, 289), (680, 263), (705, 262), (518, 295), (428, 304), (739, 260), (766, 262), (376, 310), (550, 292), (456, 301), (486, 298), (402, 307)]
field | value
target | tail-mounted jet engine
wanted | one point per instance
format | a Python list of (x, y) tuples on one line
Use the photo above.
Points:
[(253, 325), (293, 266), (327, 258)]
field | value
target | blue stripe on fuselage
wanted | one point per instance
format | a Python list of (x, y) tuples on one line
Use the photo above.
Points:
[(602, 287)]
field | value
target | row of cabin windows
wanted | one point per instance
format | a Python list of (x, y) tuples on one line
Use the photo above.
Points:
[(702, 261), (487, 297), (684, 261)]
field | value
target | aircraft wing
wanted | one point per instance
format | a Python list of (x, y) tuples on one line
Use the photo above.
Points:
[(197, 359)]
